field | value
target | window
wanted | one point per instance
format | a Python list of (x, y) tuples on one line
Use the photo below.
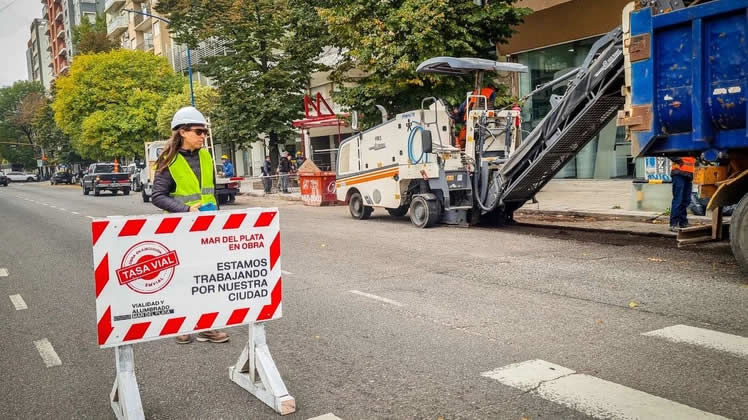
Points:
[(344, 161)]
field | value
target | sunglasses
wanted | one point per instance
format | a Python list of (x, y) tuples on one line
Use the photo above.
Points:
[(198, 131)]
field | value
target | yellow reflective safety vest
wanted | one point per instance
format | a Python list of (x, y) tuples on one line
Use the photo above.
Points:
[(189, 191)]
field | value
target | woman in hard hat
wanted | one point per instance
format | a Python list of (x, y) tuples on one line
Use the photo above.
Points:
[(184, 180)]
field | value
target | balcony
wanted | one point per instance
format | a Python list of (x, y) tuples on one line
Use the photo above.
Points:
[(113, 5), (143, 23), (64, 68), (62, 52), (46, 31), (59, 16), (45, 11), (61, 34), (116, 26)]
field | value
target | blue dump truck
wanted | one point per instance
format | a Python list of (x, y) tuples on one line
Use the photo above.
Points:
[(685, 95)]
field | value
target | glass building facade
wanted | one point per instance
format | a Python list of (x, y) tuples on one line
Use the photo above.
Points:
[(609, 154)]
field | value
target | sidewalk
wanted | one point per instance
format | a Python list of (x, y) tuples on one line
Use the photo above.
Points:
[(594, 205)]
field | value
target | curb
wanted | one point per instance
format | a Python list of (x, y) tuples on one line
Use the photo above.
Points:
[(644, 218), (651, 234)]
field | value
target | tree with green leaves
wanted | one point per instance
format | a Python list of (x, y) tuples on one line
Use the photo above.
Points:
[(261, 84), (55, 143), (18, 106), (206, 100), (109, 101), (91, 37), (384, 42)]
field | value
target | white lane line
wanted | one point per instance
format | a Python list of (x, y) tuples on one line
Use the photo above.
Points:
[(375, 297), (91, 217), (47, 352), (18, 302), (45, 204), (716, 340), (3, 272), (288, 273), (62, 209), (54, 207), (328, 416), (74, 212), (590, 395)]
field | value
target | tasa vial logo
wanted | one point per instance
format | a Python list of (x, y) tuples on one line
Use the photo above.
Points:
[(147, 267)]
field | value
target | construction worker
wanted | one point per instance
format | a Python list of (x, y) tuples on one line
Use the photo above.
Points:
[(682, 175), (267, 173), (284, 167), (228, 168), (299, 160), (461, 113), (184, 181)]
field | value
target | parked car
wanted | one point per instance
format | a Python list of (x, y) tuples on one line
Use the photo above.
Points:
[(21, 177), (134, 172), (3, 179), (61, 177)]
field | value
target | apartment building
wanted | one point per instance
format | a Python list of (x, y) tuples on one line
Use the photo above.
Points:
[(552, 41), (53, 12), (74, 11), (38, 54)]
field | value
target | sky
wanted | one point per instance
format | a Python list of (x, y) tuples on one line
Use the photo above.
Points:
[(15, 31)]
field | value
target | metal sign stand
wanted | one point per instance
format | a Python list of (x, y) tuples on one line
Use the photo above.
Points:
[(125, 395), (255, 359)]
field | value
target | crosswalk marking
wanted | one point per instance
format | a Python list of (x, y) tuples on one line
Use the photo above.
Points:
[(590, 395), (716, 340), (375, 297), (328, 416), (18, 302), (47, 352)]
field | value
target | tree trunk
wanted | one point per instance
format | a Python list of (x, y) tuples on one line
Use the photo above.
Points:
[(273, 149)]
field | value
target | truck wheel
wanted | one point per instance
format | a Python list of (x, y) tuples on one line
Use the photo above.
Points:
[(424, 213), (739, 233), (146, 197), (357, 208), (114, 192), (126, 191), (398, 212), (85, 191), (96, 191)]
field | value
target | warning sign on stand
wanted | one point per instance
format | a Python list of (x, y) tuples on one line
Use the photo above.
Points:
[(163, 275)]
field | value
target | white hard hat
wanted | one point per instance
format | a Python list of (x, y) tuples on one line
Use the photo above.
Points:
[(187, 116)]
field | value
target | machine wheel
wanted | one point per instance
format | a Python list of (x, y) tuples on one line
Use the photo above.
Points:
[(126, 191), (739, 233), (398, 212), (114, 192), (424, 213), (357, 208), (146, 197), (85, 191), (96, 191)]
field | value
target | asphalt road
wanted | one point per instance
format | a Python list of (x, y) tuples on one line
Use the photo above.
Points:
[(382, 320)]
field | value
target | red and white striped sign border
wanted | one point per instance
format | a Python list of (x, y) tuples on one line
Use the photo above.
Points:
[(156, 226)]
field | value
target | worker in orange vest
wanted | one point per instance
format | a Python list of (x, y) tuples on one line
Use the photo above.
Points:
[(682, 176), (461, 113)]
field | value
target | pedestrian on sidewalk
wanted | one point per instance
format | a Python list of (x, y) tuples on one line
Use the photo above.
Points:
[(682, 176), (284, 167), (184, 170), (267, 173)]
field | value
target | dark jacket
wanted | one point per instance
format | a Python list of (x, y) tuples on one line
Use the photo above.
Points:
[(284, 165), (267, 168), (164, 184)]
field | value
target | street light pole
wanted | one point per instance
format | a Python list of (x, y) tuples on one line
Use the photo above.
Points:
[(189, 56)]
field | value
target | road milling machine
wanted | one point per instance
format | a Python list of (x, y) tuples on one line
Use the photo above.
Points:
[(678, 74)]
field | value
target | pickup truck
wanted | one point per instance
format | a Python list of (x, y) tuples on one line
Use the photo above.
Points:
[(101, 176)]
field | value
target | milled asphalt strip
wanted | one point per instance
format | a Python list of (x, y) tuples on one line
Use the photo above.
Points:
[(47, 352), (716, 340), (18, 302), (590, 395), (375, 297)]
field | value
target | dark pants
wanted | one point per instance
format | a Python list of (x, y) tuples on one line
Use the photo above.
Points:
[(681, 200), (267, 182)]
